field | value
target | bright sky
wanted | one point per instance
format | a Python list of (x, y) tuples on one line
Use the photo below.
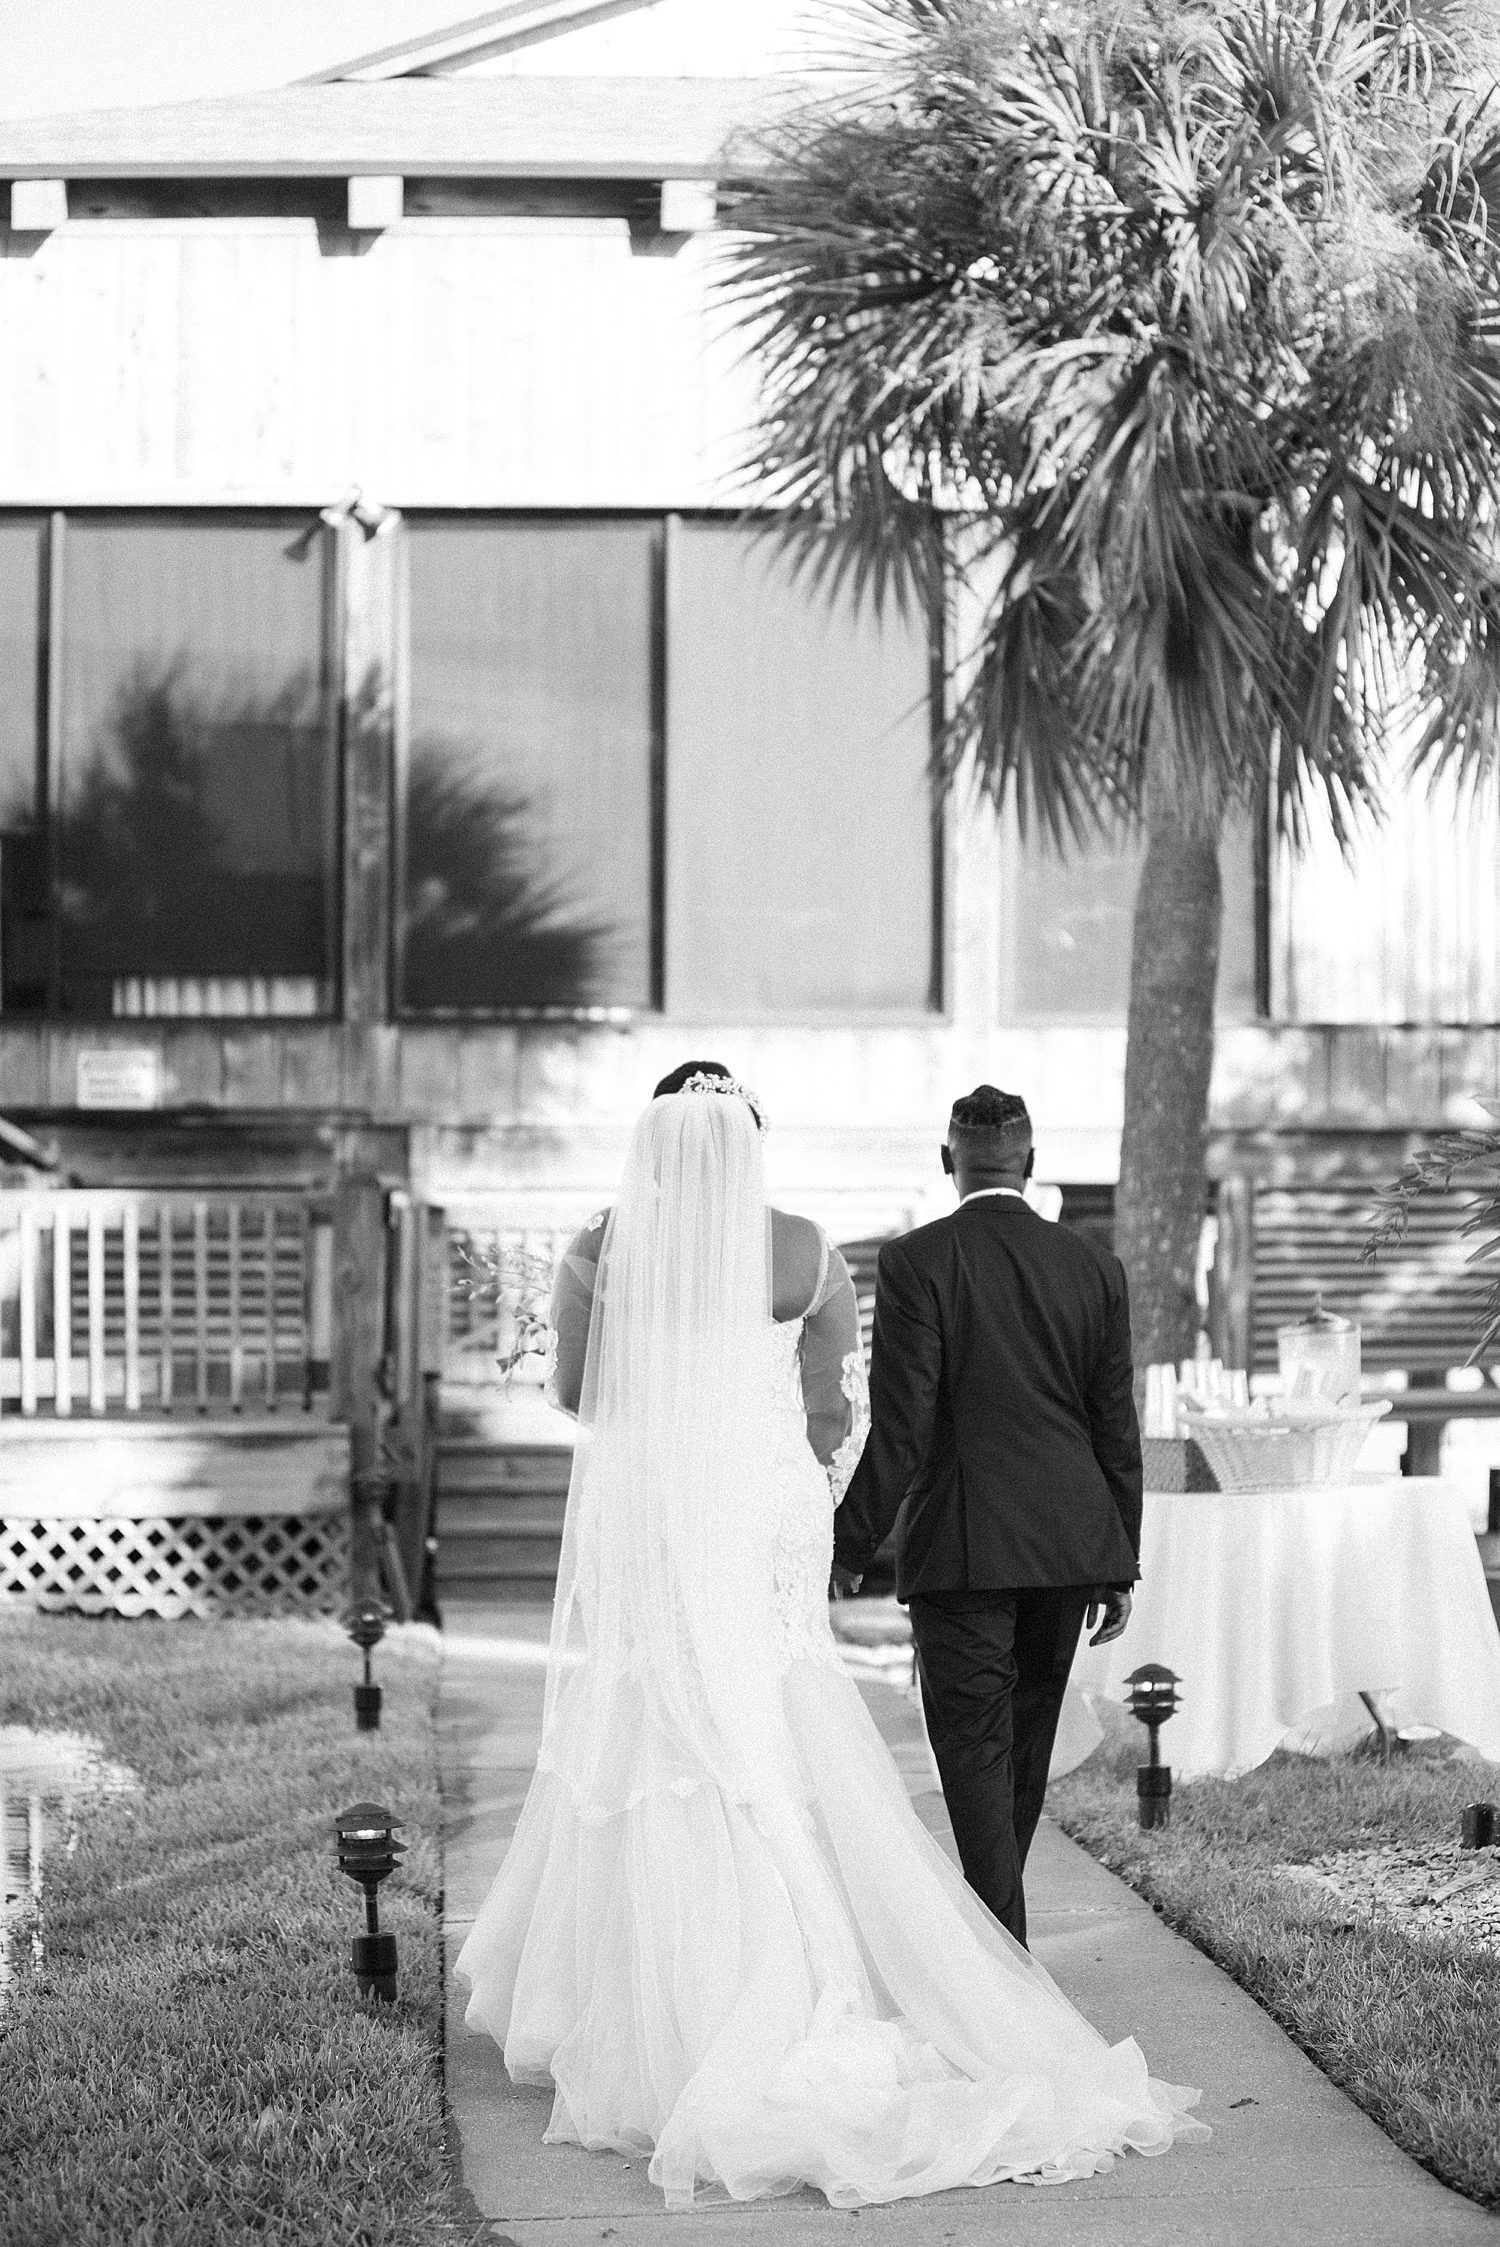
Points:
[(97, 54)]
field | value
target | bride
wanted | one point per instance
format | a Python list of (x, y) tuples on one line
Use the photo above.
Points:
[(720, 1930)]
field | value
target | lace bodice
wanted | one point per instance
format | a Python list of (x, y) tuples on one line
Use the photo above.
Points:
[(805, 1495)]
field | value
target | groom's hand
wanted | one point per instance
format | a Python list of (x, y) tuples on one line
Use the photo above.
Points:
[(1116, 1608), (843, 1584)]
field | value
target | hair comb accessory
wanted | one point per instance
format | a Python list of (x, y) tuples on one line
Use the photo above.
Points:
[(731, 1088)]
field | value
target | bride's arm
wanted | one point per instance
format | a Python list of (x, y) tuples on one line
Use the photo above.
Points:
[(835, 1393), (572, 1308)]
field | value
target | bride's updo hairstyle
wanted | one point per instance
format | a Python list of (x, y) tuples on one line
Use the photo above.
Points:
[(709, 1077), (678, 1077)]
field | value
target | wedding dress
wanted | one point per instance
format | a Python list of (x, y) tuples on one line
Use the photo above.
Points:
[(720, 1931)]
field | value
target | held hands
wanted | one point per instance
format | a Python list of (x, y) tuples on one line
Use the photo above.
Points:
[(1116, 1609), (843, 1584)]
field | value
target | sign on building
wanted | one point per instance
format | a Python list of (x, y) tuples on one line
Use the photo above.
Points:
[(119, 1077)]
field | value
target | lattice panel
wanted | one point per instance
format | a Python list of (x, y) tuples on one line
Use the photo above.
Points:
[(289, 1564)]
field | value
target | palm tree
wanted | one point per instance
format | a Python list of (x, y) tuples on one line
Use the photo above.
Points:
[(1185, 319)]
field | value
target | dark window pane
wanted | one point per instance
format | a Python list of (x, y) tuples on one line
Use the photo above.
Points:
[(799, 810), (22, 561), (1066, 929), (25, 936), (196, 800), (528, 821)]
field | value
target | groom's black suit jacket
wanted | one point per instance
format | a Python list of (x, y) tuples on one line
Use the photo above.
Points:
[(1003, 1431)]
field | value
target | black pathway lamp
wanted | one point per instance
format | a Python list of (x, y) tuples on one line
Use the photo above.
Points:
[(1153, 1698), (367, 1628), (368, 1853), (1479, 1827)]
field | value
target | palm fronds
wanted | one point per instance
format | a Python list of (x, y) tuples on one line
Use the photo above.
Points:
[(1469, 1160), (1197, 311)]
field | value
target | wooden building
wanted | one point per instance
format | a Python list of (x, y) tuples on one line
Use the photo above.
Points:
[(409, 748)]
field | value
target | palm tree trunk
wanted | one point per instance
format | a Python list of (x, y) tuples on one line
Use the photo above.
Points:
[(1169, 1054)]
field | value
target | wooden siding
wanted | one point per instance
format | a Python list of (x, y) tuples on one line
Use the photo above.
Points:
[(142, 1470), (548, 1078), (465, 363), (539, 1114), (1420, 1304)]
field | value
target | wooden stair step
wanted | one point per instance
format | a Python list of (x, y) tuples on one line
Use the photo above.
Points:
[(500, 1510), (484, 1559), (466, 1516), (484, 1468)]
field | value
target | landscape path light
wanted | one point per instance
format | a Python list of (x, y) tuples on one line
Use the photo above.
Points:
[(1478, 1826), (369, 1853), (1153, 1698), (367, 1628)]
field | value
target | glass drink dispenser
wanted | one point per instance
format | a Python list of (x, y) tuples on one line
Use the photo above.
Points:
[(1319, 1358)]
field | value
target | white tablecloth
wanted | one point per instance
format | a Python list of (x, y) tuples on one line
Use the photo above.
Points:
[(1277, 1607)]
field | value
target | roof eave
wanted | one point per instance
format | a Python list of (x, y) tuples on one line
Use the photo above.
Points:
[(640, 168)]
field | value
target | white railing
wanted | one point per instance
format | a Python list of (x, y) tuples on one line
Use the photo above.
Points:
[(163, 1301), (500, 1285)]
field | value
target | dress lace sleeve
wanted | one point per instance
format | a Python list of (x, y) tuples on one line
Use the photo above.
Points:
[(572, 1308), (835, 1391)]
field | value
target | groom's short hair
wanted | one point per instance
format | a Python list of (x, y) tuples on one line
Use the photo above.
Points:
[(991, 1121), (678, 1077)]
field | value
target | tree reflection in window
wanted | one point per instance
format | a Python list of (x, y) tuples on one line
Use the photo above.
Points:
[(527, 812), (195, 853), (487, 929)]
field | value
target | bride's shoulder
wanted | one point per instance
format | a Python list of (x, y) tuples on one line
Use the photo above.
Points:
[(794, 1236), (798, 1260), (789, 1219), (588, 1241)]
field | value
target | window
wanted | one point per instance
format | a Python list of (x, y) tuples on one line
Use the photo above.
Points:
[(25, 931), (582, 712), (802, 869), (1407, 928), (1066, 928), (532, 730), (641, 764), (181, 852)]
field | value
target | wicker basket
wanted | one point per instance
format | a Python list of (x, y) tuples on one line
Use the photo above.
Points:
[(1276, 1455)]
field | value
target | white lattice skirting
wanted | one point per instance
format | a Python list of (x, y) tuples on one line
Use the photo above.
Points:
[(142, 1518), (284, 1566)]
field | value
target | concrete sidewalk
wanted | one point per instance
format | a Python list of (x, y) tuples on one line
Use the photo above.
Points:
[(1292, 2162)]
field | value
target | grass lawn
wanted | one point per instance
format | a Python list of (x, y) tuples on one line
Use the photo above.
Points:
[(192, 2065), (1410, 2027)]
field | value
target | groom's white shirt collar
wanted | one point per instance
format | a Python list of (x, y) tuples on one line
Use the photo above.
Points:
[(980, 1192)]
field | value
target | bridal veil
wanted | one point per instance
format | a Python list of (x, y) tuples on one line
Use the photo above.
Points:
[(659, 1676)]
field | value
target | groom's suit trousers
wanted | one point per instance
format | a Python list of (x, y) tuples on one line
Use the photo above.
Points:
[(993, 1669)]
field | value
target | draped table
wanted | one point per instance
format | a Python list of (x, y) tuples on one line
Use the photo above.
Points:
[(1276, 1608)]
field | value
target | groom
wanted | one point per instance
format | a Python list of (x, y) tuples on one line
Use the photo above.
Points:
[(1003, 1444)]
